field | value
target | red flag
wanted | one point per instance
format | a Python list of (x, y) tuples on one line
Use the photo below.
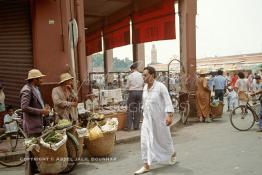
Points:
[(93, 42), (155, 23), (117, 34)]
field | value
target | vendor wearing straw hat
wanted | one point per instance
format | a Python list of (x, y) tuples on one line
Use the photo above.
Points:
[(203, 97), (34, 110), (65, 98)]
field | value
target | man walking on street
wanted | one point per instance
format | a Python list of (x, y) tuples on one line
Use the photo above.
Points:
[(32, 105), (135, 85), (219, 86), (156, 141)]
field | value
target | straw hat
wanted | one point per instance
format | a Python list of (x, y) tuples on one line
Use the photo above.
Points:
[(64, 77), (202, 71), (34, 73)]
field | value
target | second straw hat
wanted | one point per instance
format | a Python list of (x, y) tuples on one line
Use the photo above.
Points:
[(64, 77)]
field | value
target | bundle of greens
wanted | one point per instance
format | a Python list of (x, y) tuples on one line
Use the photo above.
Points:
[(53, 137), (63, 123)]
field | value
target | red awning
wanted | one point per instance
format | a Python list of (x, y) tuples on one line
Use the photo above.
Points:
[(117, 34), (155, 23), (93, 42), (152, 23)]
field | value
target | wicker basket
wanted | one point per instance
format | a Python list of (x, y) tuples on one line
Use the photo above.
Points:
[(101, 147), (243, 96), (216, 112), (49, 161)]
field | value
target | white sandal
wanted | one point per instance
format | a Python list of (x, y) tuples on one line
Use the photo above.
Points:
[(173, 160), (142, 170)]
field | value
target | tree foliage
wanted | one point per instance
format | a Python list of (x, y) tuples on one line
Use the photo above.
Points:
[(118, 65)]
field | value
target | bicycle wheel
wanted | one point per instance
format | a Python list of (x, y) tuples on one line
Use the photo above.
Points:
[(242, 118), (175, 102), (15, 139), (73, 148), (184, 112)]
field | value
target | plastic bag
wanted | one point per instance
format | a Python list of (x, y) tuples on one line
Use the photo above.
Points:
[(95, 133)]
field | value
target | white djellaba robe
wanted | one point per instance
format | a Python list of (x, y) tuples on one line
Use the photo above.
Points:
[(156, 141)]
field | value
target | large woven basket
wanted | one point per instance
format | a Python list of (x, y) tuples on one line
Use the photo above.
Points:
[(49, 161), (101, 147), (216, 112)]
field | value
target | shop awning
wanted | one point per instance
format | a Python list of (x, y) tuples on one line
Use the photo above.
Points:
[(153, 20), (155, 23), (93, 42), (117, 34)]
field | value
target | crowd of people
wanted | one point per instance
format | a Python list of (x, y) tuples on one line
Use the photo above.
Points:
[(217, 86)]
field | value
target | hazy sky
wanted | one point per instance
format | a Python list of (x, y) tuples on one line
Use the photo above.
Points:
[(223, 27)]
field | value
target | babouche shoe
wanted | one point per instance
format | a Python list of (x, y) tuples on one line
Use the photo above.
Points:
[(142, 170)]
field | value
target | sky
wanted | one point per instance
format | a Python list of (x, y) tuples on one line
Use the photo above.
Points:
[(223, 27)]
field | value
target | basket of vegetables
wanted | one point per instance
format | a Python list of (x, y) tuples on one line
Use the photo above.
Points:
[(216, 109), (51, 157), (104, 144)]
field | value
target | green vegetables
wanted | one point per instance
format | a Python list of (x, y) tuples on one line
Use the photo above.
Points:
[(53, 138), (63, 123)]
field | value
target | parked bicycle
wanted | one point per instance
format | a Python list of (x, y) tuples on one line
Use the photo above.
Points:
[(244, 117), (181, 105), (14, 138)]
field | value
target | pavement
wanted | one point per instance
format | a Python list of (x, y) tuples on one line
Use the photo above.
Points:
[(202, 149)]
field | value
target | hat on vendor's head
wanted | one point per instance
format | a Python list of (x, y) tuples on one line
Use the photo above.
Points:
[(65, 77), (203, 71), (34, 73), (230, 88)]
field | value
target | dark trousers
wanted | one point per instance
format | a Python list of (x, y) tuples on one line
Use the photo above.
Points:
[(134, 109), (30, 164), (219, 94)]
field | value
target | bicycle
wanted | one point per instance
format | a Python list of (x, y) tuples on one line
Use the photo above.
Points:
[(181, 104), (244, 117), (14, 138)]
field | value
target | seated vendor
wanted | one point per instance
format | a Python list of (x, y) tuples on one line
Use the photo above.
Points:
[(92, 102), (10, 124)]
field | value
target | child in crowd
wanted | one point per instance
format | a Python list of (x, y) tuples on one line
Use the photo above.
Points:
[(232, 98), (10, 125)]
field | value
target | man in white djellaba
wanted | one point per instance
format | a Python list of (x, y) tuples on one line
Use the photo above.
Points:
[(156, 141)]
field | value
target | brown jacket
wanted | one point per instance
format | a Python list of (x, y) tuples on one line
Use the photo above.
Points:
[(62, 104)]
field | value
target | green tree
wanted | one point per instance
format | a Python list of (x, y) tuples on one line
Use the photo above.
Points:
[(119, 65), (98, 60)]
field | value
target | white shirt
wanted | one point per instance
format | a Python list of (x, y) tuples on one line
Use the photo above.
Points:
[(256, 86), (135, 81), (232, 95), (10, 127), (242, 85)]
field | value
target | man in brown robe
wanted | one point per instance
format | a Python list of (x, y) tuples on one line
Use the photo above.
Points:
[(203, 98)]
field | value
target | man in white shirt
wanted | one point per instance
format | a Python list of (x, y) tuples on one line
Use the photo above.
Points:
[(134, 86)]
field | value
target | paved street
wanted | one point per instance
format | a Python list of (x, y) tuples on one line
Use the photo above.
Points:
[(203, 149)]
